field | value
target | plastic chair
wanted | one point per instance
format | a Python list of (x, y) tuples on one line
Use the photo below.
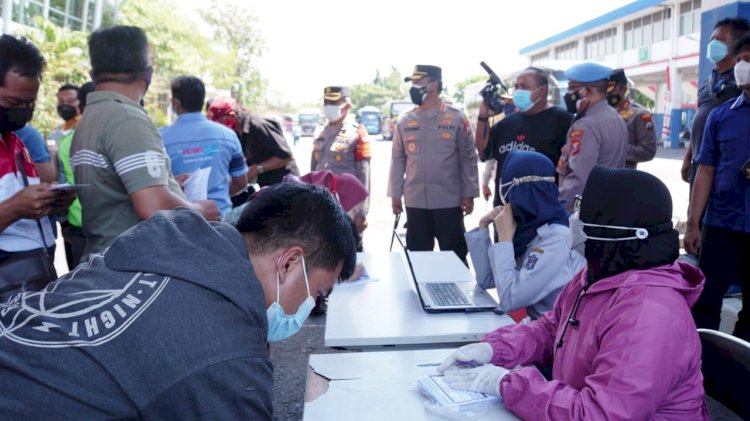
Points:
[(726, 370)]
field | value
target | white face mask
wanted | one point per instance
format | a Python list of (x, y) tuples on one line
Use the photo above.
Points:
[(521, 180), (578, 236), (282, 325), (742, 73), (332, 112)]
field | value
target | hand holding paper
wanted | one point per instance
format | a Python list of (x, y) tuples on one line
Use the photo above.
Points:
[(196, 186), (483, 379)]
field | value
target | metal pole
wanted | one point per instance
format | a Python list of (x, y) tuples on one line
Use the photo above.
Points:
[(98, 14), (85, 15), (7, 14)]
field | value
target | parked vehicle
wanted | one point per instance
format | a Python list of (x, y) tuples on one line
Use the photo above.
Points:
[(309, 120), (396, 108), (372, 119)]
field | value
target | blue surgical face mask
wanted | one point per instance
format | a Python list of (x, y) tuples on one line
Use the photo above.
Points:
[(522, 100), (716, 51), (282, 325)]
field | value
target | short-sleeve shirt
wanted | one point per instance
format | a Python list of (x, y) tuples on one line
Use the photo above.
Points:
[(116, 151), (726, 146), (34, 143), (715, 90), (22, 235), (543, 132), (193, 142), (265, 140)]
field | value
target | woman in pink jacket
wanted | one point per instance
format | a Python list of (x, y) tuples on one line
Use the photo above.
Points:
[(620, 338)]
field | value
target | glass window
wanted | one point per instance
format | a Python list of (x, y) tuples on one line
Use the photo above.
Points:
[(686, 18), (648, 31), (628, 35), (637, 34)]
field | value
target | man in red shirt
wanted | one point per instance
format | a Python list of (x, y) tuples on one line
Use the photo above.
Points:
[(24, 201)]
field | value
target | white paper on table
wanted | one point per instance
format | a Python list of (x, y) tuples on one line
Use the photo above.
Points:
[(196, 186), (365, 278)]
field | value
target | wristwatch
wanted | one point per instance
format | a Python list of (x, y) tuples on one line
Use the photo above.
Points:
[(260, 168)]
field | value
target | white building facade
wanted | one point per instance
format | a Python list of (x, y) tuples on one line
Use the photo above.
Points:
[(657, 42), (77, 15)]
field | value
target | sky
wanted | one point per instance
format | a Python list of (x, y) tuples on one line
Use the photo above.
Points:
[(311, 44)]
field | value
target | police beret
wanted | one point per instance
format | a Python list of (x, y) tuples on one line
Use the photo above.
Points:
[(425, 70), (588, 72), (618, 77), (335, 93)]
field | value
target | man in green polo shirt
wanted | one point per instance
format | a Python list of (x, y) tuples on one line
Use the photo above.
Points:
[(117, 153)]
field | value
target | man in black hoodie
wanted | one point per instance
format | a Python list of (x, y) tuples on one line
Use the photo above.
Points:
[(172, 320)]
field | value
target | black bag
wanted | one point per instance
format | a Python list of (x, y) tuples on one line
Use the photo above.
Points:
[(28, 270)]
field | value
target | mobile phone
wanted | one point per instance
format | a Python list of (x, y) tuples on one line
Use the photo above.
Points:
[(66, 186)]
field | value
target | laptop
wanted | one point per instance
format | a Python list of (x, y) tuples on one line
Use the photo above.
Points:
[(449, 297)]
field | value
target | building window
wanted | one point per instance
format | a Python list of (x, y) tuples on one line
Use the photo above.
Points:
[(600, 44), (647, 30), (539, 57), (567, 51), (66, 13), (690, 17)]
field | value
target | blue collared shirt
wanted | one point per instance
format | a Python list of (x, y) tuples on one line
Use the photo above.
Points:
[(726, 146), (193, 142)]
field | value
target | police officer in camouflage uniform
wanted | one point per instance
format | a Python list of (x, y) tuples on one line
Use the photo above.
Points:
[(343, 147), (598, 135), (434, 167), (641, 133)]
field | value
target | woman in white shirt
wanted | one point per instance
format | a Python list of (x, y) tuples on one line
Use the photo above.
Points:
[(533, 259)]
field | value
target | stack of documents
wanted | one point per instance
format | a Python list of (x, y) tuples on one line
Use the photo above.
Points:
[(441, 395)]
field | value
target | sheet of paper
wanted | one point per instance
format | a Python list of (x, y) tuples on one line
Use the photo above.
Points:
[(365, 278), (196, 186)]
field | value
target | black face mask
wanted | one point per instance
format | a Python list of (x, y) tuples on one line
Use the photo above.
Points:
[(67, 112), (418, 94), (614, 99), (12, 119), (571, 101)]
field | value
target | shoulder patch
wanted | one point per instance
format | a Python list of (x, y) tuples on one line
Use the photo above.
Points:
[(363, 150), (574, 139), (575, 134), (648, 120), (531, 262)]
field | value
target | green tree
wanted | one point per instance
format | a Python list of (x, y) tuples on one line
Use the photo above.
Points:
[(176, 48), (66, 53), (235, 26), (643, 99), (460, 86), (380, 91), (365, 94)]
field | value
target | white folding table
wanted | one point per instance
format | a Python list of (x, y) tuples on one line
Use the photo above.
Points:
[(375, 386), (387, 312)]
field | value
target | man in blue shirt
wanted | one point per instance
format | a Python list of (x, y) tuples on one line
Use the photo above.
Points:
[(34, 142), (722, 189), (193, 142)]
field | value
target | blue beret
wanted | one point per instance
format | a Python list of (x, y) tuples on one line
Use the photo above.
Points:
[(588, 72)]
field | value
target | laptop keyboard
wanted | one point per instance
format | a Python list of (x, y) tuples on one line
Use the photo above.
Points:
[(447, 294)]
